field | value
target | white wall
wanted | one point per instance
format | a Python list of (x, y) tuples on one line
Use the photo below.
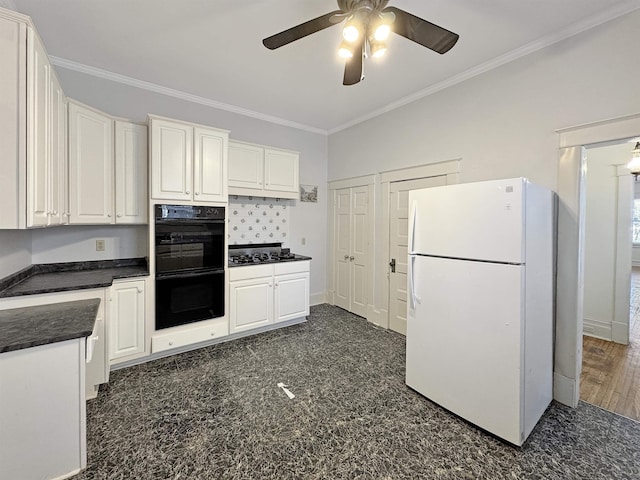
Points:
[(308, 220), (73, 243), (15, 251), (601, 203)]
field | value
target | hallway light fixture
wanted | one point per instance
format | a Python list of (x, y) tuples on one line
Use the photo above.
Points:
[(634, 164)]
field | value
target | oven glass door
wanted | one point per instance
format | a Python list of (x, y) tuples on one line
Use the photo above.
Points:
[(187, 298), (182, 246)]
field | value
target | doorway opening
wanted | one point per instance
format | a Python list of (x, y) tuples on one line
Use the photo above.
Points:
[(611, 340)]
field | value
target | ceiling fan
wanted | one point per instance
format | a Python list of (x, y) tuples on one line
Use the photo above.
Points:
[(369, 23)]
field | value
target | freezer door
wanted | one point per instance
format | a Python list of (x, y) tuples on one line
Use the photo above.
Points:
[(483, 221), (464, 340)]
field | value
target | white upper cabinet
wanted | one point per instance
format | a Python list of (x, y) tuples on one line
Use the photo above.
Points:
[(32, 122), (188, 162), (91, 182), (263, 171), (107, 168), (131, 172), (281, 171), (210, 165)]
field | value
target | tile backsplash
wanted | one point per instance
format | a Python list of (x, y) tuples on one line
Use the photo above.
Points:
[(258, 220)]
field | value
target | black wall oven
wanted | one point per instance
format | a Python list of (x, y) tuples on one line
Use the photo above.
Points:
[(190, 261)]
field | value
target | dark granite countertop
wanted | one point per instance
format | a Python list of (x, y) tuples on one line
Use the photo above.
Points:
[(33, 326), (296, 258), (60, 277)]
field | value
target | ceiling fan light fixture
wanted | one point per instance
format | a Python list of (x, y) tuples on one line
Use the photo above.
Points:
[(377, 48), (345, 50), (350, 33)]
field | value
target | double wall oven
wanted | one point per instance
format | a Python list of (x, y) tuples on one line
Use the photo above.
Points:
[(190, 264)]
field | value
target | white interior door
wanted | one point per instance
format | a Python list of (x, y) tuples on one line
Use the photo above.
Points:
[(342, 246), (358, 257), (398, 231)]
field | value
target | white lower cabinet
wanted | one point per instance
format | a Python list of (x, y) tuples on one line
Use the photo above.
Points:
[(266, 294), (126, 320), (42, 411)]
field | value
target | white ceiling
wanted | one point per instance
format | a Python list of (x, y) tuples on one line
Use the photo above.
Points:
[(213, 49)]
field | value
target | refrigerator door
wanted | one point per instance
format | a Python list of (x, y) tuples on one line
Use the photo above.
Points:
[(464, 348), (482, 221)]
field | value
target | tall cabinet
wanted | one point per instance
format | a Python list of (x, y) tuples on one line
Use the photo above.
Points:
[(351, 243)]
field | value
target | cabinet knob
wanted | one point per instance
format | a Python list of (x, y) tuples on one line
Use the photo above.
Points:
[(187, 191), (352, 258), (68, 214), (170, 342), (139, 290), (119, 215), (197, 193), (346, 257), (270, 285), (213, 334), (109, 215)]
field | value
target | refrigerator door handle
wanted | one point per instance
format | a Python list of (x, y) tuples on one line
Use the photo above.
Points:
[(412, 226), (412, 292)]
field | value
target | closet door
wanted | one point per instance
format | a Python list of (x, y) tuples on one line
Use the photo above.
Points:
[(351, 247)]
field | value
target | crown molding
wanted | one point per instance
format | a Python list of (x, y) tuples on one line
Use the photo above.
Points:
[(567, 32), (152, 87)]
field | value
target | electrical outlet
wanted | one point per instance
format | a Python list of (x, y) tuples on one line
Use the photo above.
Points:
[(99, 245)]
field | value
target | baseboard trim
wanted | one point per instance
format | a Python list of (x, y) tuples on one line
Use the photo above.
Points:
[(597, 328), (317, 298), (620, 333), (565, 390)]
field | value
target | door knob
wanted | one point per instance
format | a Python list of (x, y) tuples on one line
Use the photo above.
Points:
[(392, 264)]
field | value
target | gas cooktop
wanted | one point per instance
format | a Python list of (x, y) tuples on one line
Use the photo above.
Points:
[(254, 254)]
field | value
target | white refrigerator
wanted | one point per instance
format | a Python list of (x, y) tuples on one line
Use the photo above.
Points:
[(480, 306)]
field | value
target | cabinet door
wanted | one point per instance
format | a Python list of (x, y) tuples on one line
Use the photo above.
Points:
[(251, 304), (281, 170), (291, 294), (171, 160), (131, 172), (38, 148), (126, 319), (90, 166), (210, 165), (246, 163), (58, 158)]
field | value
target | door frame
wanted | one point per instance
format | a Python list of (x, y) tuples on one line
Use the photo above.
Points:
[(570, 247), (451, 169)]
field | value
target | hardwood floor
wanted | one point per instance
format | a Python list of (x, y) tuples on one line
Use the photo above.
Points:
[(610, 371)]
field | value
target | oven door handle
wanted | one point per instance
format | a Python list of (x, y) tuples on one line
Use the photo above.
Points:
[(192, 274)]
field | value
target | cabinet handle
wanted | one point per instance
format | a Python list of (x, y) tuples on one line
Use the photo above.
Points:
[(352, 258), (346, 257)]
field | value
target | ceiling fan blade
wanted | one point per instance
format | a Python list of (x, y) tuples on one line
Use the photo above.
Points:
[(353, 67), (422, 32), (300, 31)]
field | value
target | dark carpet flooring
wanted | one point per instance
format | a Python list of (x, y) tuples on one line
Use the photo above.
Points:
[(217, 413)]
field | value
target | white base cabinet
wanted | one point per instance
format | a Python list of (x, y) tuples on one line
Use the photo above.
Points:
[(126, 320), (43, 412), (266, 294)]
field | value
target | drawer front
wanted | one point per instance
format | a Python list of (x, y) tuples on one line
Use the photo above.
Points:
[(249, 272), (189, 335), (292, 267)]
